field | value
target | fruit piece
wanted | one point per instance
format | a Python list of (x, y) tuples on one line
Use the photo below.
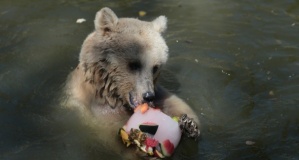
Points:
[(137, 142), (150, 142), (150, 128), (143, 148), (158, 154), (167, 148), (176, 119), (143, 108), (125, 137)]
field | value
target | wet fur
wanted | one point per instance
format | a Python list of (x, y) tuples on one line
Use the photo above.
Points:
[(104, 84)]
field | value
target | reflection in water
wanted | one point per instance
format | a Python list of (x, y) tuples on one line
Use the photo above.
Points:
[(236, 63)]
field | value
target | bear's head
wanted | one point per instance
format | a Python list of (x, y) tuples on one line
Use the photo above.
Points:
[(122, 58)]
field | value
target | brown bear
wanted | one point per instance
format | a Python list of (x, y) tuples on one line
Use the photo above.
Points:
[(119, 64)]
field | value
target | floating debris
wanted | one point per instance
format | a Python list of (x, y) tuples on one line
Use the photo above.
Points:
[(292, 75), (225, 72), (196, 60), (142, 13), (188, 41), (80, 20), (271, 93), (249, 143)]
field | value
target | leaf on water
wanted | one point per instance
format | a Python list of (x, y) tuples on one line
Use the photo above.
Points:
[(142, 13)]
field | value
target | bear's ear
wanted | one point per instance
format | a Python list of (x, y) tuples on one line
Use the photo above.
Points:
[(160, 24), (105, 19)]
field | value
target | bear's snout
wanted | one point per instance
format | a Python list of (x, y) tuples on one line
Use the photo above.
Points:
[(148, 96)]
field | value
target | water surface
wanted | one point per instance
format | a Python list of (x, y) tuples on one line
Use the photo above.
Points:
[(236, 63)]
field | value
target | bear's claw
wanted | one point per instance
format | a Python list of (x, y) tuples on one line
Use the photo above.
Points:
[(189, 127)]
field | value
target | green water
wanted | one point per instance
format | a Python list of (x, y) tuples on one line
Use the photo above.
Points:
[(235, 62)]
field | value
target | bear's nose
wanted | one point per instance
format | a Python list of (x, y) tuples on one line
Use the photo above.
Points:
[(148, 96)]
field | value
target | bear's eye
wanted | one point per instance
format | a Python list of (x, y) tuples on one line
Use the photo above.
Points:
[(155, 69), (134, 66)]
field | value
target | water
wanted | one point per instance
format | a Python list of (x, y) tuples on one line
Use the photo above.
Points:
[(236, 63)]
